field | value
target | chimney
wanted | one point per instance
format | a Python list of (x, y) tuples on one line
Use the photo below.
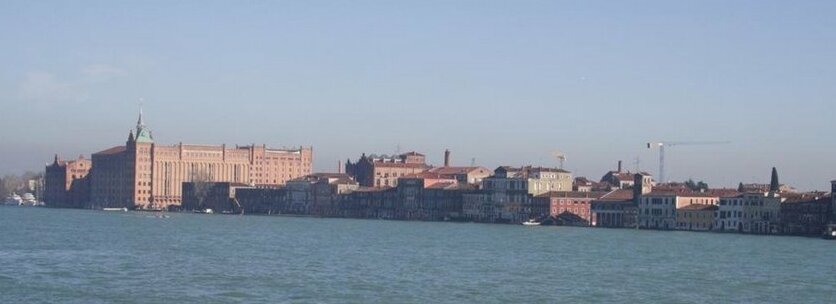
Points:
[(447, 158), (619, 166), (339, 166)]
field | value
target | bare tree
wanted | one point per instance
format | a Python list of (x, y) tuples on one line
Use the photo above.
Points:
[(11, 184), (201, 184)]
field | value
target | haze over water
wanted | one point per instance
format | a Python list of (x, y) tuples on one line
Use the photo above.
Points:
[(81, 256)]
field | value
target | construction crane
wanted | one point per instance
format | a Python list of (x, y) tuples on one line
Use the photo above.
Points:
[(560, 157), (662, 145)]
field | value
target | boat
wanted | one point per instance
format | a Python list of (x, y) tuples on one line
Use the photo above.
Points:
[(14, 199), (830, 232), (123, 209), (205, 211), (531, 222)]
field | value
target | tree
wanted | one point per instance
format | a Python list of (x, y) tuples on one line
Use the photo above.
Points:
[(740, 187), (201, 183), (774, 186), (696, 186), (11, 184)]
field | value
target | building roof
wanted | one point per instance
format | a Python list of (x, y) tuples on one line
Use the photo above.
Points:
[(617, 195), (441, 185), (574, 194), (456, 170), (429, 175), (699, 207), (679, 193), (724, 192), (400, 165), (805, 197), (114, 150)]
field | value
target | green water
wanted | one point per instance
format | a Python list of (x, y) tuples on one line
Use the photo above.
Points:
[(78, 256)]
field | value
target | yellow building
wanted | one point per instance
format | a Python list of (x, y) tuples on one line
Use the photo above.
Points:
[(696, 217)]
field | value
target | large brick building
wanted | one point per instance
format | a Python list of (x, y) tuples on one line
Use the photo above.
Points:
[(66, 183), (384, 171), (143, 174)]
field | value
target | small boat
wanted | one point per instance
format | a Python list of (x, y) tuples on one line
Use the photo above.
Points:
[(205, 211), (123, 209), (531, 222), (14, 199)]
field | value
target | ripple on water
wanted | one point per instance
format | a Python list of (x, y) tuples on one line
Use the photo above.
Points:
[(73, 256)]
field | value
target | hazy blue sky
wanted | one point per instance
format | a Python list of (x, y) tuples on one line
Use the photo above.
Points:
[(504, 82)]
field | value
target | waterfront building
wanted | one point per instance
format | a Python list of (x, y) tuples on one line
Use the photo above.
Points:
[(369, 202), (318, 193), (66, 183), (805, 214), (754, 212), (384, 171), (657, 209), (696, 217), (261, 200), (217, 196), (570, 207), (729, 213), (477, 207), (463, 175), (143, 174), (533, 180), (510, 192), (616, 209)]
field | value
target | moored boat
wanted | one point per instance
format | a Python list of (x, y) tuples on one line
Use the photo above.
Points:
[(531, 222)]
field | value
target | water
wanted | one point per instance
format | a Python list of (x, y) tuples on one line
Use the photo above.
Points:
[(78, 256)]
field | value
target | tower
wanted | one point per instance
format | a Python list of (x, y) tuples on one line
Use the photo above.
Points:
[(638, 186), (833, 202), (143, 134), (446, 158), (774, 186)]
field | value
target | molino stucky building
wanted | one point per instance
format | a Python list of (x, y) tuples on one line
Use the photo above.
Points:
[(143, 174)]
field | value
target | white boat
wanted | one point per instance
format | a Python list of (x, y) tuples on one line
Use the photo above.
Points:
[(531, 222), (13, 199), (28, 199), (208, 211), (123, 209)]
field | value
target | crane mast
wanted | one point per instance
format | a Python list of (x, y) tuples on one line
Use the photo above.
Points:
[(662, 145)]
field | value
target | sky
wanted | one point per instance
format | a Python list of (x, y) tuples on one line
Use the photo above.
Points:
[(498, 82)]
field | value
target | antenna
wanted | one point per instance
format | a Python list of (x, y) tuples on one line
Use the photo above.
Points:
[(560, 157), (637, 162)]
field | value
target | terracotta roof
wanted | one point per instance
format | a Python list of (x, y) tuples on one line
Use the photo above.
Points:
[(618, 195), (114, 150), (457, 170), (698, 207), (429, 175), (724, 192), (442, 185), (400, 165), (573, 194), (679, 193)]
